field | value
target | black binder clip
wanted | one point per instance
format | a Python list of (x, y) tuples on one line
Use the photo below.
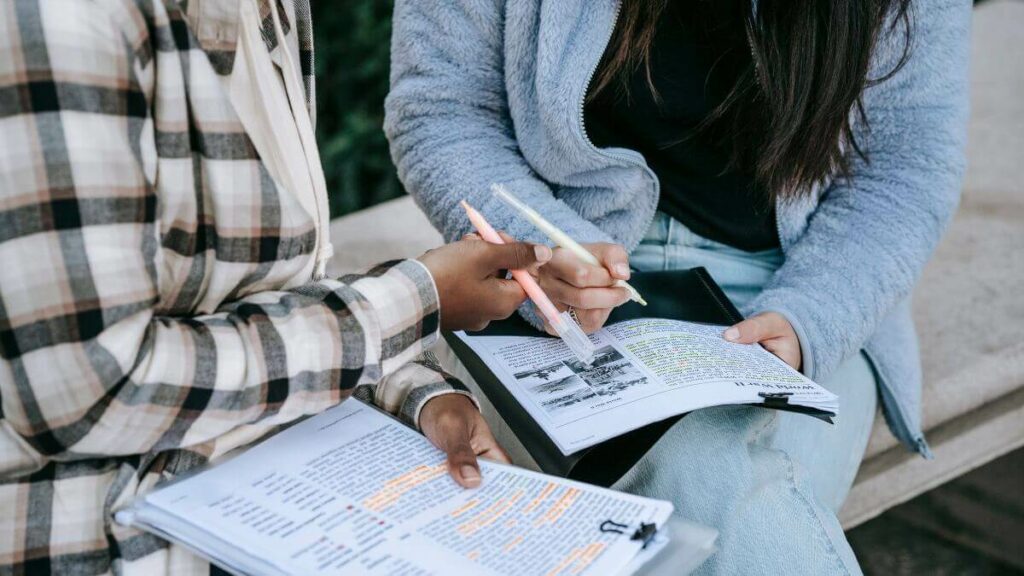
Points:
[(613, 527), (645, 532), (775, 399)]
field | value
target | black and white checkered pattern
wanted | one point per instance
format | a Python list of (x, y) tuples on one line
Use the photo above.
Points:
[(156, 306)]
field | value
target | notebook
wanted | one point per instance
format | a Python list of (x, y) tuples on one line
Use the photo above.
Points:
[(355, 491), (654, 364)]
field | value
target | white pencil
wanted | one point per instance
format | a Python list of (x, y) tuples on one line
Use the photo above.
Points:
[(558, 237)]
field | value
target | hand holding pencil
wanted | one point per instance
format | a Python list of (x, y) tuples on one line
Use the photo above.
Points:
[(561, 323), (590, 278), (470, 280), (565, 241)]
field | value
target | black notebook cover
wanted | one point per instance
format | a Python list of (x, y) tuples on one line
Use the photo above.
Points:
[(690, 295)]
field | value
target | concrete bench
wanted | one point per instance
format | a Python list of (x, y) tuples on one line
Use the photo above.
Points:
[(969, 305)]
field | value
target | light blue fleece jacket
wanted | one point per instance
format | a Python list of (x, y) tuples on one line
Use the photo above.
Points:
[(489, 91)]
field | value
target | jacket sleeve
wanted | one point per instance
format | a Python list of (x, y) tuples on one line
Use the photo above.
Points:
[(405, 392), (868, 240), (448, 122), (89, 365)]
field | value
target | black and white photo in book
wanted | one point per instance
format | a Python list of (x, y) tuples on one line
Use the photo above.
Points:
[(609, 373), (545, 374), (571, 387), (563, 396)]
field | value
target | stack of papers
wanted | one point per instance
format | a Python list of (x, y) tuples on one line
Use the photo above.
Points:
[(354, 491)]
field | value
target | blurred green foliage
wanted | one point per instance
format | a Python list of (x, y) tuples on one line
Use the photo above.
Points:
[(352, 56)]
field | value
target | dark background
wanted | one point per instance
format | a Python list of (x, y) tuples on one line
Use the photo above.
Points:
[(352, 52)]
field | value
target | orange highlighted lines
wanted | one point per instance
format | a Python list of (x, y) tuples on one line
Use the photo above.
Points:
[(566, 562), (464, 508), (587, 557), (490, 515), (559, 507), (540, 498), (578, 560), (512, 544), (395, 488)]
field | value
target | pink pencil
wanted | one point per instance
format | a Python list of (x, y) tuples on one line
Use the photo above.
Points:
[(563, 324)]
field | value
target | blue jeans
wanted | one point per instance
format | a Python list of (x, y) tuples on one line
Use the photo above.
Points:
[(770, 482)]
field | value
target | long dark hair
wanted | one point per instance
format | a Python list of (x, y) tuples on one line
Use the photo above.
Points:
[(788, 118)]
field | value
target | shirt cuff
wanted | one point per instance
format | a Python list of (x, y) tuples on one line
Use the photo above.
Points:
[(408, 390), (424, 394), (430, 382)]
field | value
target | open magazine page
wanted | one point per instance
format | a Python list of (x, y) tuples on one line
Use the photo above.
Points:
[(353, 491), (685, 353), (644, 371)]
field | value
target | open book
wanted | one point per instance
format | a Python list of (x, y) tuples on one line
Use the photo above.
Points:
[(653, 365), (645, 370), (354, 491)]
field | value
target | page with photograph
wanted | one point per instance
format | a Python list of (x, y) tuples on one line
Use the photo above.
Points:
[(645, 370)]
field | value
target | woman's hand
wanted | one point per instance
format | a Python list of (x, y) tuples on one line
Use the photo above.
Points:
[(470, 279), (772, 331), (453, 424), (587, 288)]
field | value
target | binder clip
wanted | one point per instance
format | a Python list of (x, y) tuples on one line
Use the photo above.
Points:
[(613, 527), (775, 399), (645, 532)]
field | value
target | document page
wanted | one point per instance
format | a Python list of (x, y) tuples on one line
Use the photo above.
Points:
[(353, 491), (644, 371)]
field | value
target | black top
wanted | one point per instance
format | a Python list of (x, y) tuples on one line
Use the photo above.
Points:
[(699, 51)]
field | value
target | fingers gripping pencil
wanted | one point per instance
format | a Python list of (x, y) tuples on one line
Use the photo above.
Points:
[(563, 324), (557, 236)]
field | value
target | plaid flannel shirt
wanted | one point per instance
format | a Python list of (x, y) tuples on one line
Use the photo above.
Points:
[(156, 306)]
